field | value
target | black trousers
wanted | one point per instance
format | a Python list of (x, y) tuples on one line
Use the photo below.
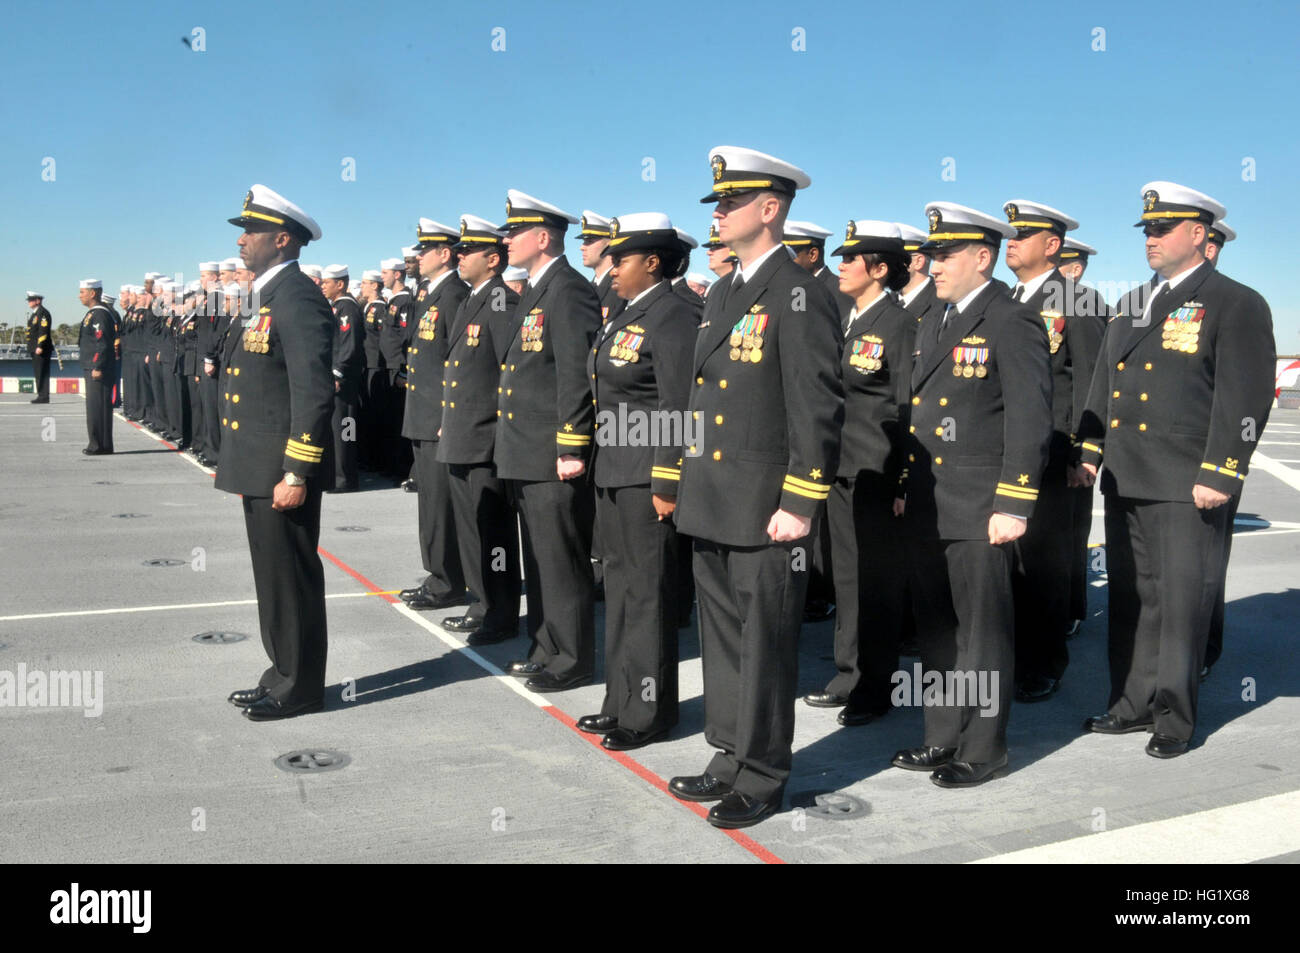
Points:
[(41, 373), (373, 397), (436, 524), (1040, 582), (290, 584), (821, 581), (158, 381), (346, 426), (178, 406), (751, 606), (487, 533), (641, 612), (1082, 526), (1214, 646), (961, 596), (397, 455), (556, 520), (1163, 561), (208, 387), (870, 587), (130, 386), (99, 412), (198, 425)]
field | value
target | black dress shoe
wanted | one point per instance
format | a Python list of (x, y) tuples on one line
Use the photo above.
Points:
[(410, 486), (818, 610), (422, 601), (966, 774), (698, 787), (343, 489), (268, 709), (851, 716), (547, 682), (1108, 724), (246, 696), (489, 637), (597, 724), (40, 400), (525, 669), (740, 810), (1036, 688), (625, 739), (923, 759), (825, 700), (1205, 672), (406, 594), (461, 623), (1073, 630), (1163, 746)]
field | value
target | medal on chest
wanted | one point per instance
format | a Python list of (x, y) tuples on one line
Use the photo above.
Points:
[(531, 332), (257, 335), (1182, 329), (970, 361), (867, 354), (747, 336), (1054, 321), (472, 334), (626, 348), (428, 329)]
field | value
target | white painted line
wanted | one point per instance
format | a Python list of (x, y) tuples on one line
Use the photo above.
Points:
[(39, 417), (516, 685), (1236, 834), (1270, 466), (1280, 443), (125, 610)]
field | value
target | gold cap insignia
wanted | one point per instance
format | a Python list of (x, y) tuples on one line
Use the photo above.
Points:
[(851, 230), (935, 218), (1013, 213), (613, 228), (719, 166), (1149, 199), (248, 200), (462, 228)]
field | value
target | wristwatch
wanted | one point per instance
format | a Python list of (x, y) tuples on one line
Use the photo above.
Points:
[(292, 479)]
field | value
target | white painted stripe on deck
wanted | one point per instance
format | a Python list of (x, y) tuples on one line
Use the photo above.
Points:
[(124, 610), (1236, 834), (516, 685)]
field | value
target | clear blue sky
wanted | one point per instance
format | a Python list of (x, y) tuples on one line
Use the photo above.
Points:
[(155, 145)]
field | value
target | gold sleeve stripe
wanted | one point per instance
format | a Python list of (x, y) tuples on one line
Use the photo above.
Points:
[(665, 473), (1017, 494), (807, 484), (303, 451), (573, 439), (1224, 470), (809, 494), (1090, 446), (294, 455)]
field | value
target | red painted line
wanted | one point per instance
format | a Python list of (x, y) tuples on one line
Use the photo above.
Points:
[(366, 583), (648, 776)]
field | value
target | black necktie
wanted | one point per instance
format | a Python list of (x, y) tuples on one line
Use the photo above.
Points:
[(1018, 294), (946, 312)]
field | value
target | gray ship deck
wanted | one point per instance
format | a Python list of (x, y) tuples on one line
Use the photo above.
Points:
[(451, 761)]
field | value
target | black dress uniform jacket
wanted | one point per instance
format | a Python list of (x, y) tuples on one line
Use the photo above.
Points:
[(652, 384), (925, 303), (38, 333), (392, 337), (1167, 404), (376, 314), (770, 431), (545, 405), (279, 392), (683, 291), (427, 355), (349, 356), (95, 342), (876, 368), (980, 438), (477, 345)]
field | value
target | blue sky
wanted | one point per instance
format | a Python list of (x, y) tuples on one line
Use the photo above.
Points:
[(154, 144)]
